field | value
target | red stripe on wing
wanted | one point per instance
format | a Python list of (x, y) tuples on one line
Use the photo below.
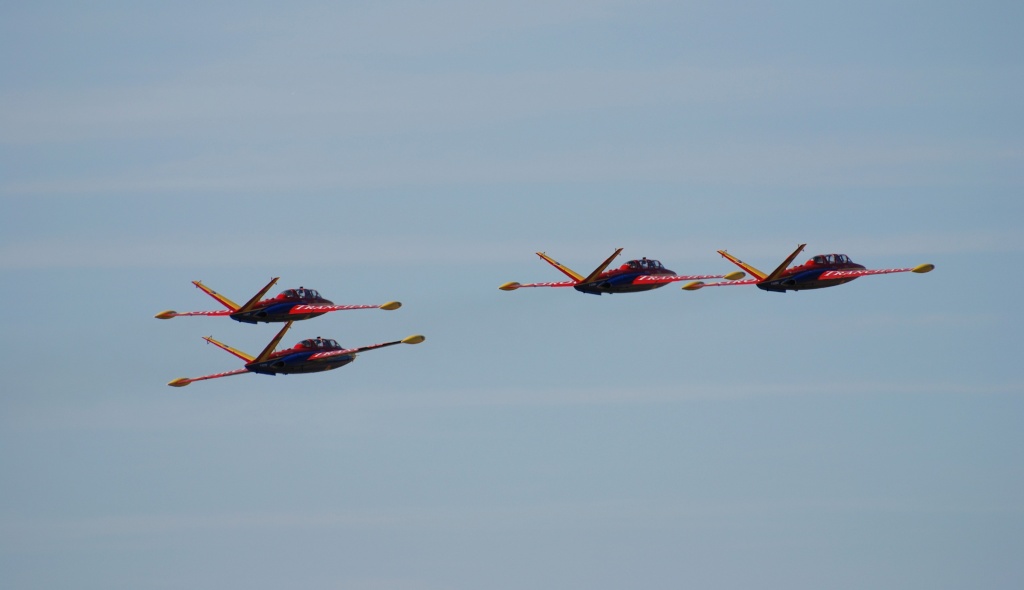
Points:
[(299, 309), (559, 284), (731, 283), (218, 375), (330, 354), (673, 278), (334, 353), (846, 274)]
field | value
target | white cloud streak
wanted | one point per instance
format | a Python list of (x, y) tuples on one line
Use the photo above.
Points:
[(353, 414), (228, 249), (628, 515)]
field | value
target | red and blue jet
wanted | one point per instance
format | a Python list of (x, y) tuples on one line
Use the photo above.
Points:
[(633, 276), (309, 356), (821, 271), (289, 305)]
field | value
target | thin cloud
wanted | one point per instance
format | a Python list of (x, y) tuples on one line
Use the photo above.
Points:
[(256, 98), (354, 415), (226, 250), (628, 514), (730, 161)]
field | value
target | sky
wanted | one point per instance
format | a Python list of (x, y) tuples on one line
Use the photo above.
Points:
[(866, 436)]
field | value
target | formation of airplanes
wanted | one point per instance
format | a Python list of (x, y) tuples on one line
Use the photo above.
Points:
[(323, 354), (312, 355), (823, 270), (632, 277)]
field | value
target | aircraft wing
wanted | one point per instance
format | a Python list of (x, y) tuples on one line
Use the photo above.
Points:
[(335, 353), (166, 315), (557, 284), (182, 382), (852, 274), (302, 309), (415, 339), (512, 285), (660, 279), (700, 284), (731, 283)]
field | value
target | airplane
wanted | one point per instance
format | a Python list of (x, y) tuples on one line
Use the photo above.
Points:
[(821, 271), (289, 305), (309, 356), (633, 276)]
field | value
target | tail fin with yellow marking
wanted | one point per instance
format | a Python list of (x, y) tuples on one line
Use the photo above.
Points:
[(565, 269), (750, 269), (242, 355), (269, 350), (570, 272), (597, 271), (257, 297), (785, 264), (222, 299), (759, 275)]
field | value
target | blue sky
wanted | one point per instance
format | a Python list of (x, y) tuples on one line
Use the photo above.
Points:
[(864, 436)]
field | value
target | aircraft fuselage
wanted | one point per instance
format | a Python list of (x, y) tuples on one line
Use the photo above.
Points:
[(620, 281), (805, 277), (293, 362), (275, 310)]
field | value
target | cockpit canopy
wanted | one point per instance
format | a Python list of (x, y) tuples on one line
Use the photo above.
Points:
[(319, 344), (300, 293), (830, 259), (643, 264)]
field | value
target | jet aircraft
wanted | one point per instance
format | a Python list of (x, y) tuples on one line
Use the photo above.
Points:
[(823, 270), (289, 305), (633, 276), (309, 356)]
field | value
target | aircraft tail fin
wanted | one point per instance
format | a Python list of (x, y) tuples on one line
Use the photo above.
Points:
[(750, 269), (244, 356), (222, 299), (256, 298), (760, 275), (269, 350), (600, 269), (785, 264), (565, 269)]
